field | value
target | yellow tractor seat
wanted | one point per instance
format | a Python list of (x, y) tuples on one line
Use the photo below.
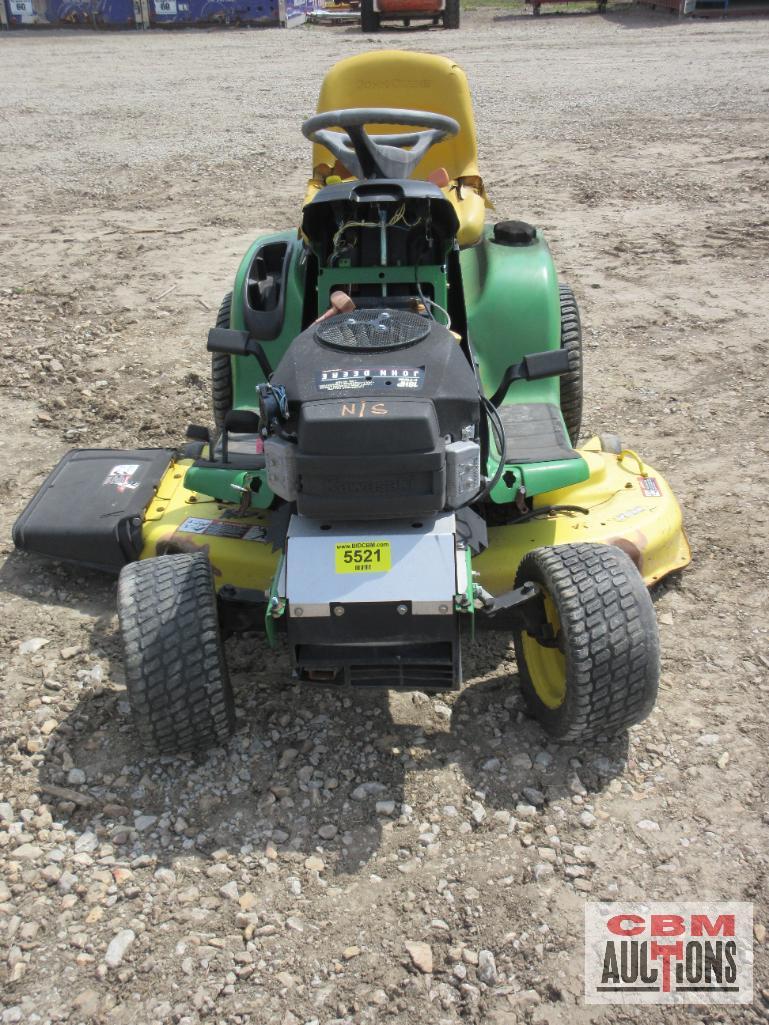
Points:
[(411, 81)]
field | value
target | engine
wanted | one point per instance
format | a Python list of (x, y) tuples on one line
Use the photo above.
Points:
[(381, 422)]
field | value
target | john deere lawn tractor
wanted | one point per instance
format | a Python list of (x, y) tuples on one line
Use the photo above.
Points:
[(397, 391)]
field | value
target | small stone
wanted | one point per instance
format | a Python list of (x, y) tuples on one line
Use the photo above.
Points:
[(477, 812), (191, 895), (144, 822), (759, 931), (708, 739), (385, 807), (533, 796), (248, 901), (314, 863), (525, 811), (118, 946), (421, 955), (587, 819), (350, 952), (33, 644), (724, 760), (327, 831), (491, 765), (487, 967), (469, 956), (230, 891), (543, 870), (294, 886), (287, 757), (6, 812), (27, 852), (371, 789), (76, 776), (115, 811), (70, 652), (528, 998), (649, 825), (87, 1003), (51, 874)]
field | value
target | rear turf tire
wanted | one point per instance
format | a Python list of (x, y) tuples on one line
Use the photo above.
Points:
[(603, 676), (221, 370), (451, 14), (369, 18), (571, 383), (176, 676)]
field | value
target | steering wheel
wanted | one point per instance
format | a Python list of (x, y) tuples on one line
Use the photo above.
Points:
[(378, 156)]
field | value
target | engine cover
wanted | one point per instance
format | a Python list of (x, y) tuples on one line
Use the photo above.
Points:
[(385, 409)]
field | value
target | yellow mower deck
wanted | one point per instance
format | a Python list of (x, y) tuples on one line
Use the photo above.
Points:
[(630, 505)]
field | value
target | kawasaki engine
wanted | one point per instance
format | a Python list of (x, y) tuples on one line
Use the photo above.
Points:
[(374, 434), (383, 416)]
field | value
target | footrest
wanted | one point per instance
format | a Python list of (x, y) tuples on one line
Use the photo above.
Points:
[(534, 433)]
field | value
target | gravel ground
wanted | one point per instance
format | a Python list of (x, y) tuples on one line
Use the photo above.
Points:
[(376, 857)]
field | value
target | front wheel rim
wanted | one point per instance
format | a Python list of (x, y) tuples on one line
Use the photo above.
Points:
[(546, 666)]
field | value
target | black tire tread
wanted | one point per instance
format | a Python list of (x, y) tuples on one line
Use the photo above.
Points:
[(451, 14), (571, 383), (176, 676), (610, 640), (221, 370), (369, 18)]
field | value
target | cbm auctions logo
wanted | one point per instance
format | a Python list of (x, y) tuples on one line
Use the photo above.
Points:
[(669, 953)]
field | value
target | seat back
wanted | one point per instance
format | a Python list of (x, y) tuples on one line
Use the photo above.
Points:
[(412, 81)]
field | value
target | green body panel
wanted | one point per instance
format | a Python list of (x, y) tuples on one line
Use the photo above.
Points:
[(246, 373), (513, 309), (227, 485)]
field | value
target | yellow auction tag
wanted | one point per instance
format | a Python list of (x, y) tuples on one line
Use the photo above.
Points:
[(363, 556)]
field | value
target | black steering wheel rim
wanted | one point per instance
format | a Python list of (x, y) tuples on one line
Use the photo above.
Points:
[(378, 156)]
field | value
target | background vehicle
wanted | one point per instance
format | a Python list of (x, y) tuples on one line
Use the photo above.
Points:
[(440, 12)]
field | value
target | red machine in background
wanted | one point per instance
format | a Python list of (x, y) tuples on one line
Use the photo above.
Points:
[(440, 12)]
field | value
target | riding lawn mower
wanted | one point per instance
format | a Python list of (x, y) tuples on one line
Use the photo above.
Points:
[(397, 393)]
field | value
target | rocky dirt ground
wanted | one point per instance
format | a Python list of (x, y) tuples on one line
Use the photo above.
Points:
[(370, 858)]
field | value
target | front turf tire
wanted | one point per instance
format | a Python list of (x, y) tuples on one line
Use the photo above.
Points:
[(176, 676), (604, 674), (571, 383)]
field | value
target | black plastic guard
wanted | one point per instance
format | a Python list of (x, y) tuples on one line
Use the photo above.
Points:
[(90, 508)]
